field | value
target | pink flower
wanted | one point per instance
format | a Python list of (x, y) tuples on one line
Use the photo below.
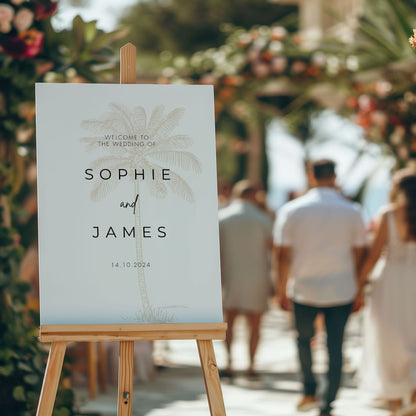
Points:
[(44, 8), (278, 64), (298, 67), (253, 54), (6, 17), (23, 19), (365, 103), (26, 44), (260, 69)]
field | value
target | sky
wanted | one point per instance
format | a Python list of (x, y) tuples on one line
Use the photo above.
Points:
[(105, 12)]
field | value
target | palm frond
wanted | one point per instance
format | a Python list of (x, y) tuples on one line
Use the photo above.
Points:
[(377, 37), (103, 188), (124, 116), (175, 142), (155, 120), (180, 187), (168, 124), (157, 188), (139, 119), (108, 125), (180, 159)]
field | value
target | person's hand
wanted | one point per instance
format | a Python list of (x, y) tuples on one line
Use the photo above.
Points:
[(285, 303), (358, 301)]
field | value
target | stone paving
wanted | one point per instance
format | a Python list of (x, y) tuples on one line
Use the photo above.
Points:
[(179, 388)]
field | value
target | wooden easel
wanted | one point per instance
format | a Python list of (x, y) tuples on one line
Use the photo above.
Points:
[(126, 334)]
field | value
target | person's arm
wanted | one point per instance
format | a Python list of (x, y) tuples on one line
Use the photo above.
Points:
[(359, 256), (379, 241), (283, 257)]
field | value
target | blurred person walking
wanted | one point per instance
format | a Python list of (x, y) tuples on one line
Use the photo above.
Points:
[(319, 242), (389, 364), (245, 241)]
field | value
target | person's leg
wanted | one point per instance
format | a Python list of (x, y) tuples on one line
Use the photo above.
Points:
[(229, 316), (335, 320), (253, 321), (304, 320), (395, 405)]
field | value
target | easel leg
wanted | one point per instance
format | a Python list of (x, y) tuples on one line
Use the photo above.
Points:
[(51, 379), (125, 378), (211, 377)]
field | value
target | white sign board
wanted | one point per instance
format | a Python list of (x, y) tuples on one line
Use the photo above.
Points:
[(128, 228)]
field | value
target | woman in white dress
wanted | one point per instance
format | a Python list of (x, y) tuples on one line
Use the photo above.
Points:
[(389, 365)]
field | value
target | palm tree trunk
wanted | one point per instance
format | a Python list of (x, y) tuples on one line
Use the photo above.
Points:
[(144, 297)]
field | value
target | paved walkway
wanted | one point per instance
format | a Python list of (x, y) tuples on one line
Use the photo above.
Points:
[(179, 388)]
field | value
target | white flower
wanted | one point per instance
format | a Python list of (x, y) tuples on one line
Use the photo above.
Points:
[(5, 27), (23, 19), (6, 16)]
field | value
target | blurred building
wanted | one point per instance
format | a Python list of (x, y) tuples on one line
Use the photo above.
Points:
[(326, 17)]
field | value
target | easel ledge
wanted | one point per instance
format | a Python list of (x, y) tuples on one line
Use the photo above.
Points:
[(128, 332)]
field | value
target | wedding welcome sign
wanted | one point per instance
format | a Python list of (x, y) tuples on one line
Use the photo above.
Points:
[(128, 229)]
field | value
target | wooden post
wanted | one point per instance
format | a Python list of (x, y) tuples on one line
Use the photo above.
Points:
[(126, 354), (128, 64), (125, 378)]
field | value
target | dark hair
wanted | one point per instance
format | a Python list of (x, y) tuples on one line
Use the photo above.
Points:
[(404, 182), (323, 169)]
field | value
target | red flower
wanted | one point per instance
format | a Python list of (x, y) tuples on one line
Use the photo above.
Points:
[(352, 102), (26, 44), (233, 81), (267, 56), (395, 120), (313, 71), (44, 8)]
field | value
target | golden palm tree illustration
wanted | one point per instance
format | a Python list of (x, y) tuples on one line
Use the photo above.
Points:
[(167, 151)]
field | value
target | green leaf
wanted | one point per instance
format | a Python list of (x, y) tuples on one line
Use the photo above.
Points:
[(4, 279), (31, 379), (90, 30), (19, 394), (38, 362), (6, 370), (79, 34), (24, 367), (63, 411)]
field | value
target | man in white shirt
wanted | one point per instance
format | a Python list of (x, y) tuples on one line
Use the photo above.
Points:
[(319, 242)]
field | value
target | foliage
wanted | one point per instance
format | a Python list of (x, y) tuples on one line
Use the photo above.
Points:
[(383, 95), (184, 27), (22, 361)]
